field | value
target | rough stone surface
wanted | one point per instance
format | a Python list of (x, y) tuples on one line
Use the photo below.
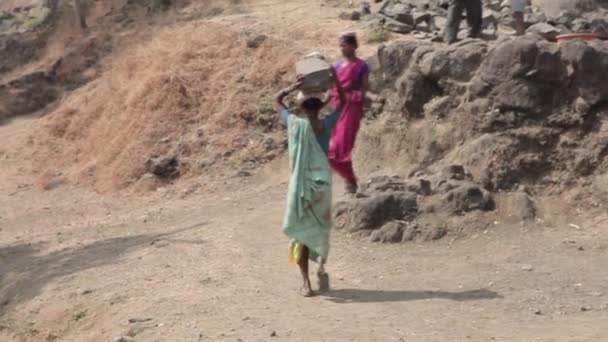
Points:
[(468, 197), (521, 207), (164, 167), (415, 91), (389, 233), (545, 30), (397, 26), (255, 40), (373, 212)]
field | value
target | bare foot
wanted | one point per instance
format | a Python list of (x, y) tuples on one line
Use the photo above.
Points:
[(307, 292), (323, 279)]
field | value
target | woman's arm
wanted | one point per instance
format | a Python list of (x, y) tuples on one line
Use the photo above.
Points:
[(365, 81), (340, 89), (280, 106), (280, 96)]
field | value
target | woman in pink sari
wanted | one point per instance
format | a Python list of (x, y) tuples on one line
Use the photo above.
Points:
[(353, 76)]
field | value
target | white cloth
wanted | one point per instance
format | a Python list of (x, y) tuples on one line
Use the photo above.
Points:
[(519, 5)]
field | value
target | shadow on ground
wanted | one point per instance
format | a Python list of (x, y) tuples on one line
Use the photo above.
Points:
[(381, 296), (25, 270)]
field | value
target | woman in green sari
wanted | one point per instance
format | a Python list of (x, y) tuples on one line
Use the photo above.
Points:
[(308, 214)]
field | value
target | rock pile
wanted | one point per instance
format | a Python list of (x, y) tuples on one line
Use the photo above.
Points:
[(392, 209), (526, 108), (406, 16)]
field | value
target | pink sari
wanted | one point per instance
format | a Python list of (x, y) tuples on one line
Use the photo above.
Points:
[(351, 77)]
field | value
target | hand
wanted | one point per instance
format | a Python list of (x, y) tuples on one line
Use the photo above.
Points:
[(296, 85)]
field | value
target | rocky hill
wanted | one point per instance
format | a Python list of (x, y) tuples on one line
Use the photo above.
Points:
[(512, 112)]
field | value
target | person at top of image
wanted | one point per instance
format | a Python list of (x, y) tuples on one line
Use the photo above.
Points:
[(473, 9), (518, 7), (307, 219), (352, 73)]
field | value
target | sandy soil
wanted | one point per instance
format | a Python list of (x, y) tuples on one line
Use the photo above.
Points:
[(190, 263), (212, 266)]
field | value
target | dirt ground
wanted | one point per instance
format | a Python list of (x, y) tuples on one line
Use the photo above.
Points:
[(212, 266), (209, 263)]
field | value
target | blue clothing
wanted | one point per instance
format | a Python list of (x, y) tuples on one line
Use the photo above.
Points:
[(329, 122)]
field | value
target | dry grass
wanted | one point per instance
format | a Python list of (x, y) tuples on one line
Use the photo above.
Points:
[(376, 34), (157, 98)]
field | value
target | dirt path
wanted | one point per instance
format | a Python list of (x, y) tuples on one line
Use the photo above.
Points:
[(77, 266)]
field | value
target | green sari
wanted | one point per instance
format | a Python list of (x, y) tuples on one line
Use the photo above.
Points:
[(308, 214)]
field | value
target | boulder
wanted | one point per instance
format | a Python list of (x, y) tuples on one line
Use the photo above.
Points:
[(390, 232), (391, 184), (590, 65), (468, 197), (394, 58), (438, 24), (455, 172), (420, 17), (580, 25), (26, 94), (400, 13), (522, 75), (164, 167), (544, 30), (439, 107), (397, 26), (434, 232), (351, 15), (254, 40), (508, 59), (456, 62), (415, 91), (535, 18), (520, 207), (373, 212), (564, 18)]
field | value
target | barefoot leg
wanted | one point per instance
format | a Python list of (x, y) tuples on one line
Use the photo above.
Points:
[(323, 277), (303, 264)]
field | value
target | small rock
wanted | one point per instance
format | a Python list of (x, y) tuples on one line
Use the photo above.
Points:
[(434, 233), (255, 40), (390, 232), (538, 312), (400, 13), (545, 30), (456, 172), (164, 167), (438, 24), (123, 339), (86, 292), (139, 320), (354, 15), (468, 197), (527, 268), (581, 25), (395, 26), (521, 207), (581, 106), (421, 17), (535, 18), (366, 8), (273, 334), (243, 173), (586, 308)]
